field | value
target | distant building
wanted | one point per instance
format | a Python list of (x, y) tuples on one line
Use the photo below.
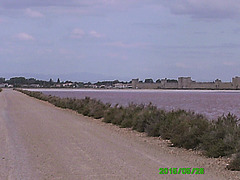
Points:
[(187, 83), (2, 80), (184, 82), (122, 86), (34, 85), (70, 84), (236, 82), (135, 83), (3, 85)]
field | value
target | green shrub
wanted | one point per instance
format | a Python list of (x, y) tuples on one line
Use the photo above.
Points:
[(140, 121), (235, 163), (223, 137), (131, 113), (188, 130), (115, 115), (154, 120), (169, 123), (119, 115), (109, 115)]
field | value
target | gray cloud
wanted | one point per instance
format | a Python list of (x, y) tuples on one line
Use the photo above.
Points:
[(77, 33), (85, 7), (33, 14), (95, 34), (128, 45), (201, 9), (16, 4), (157, 25), (205, 9), (24, 37), (200, 47)]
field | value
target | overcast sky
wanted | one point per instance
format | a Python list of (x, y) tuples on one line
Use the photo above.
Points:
[(120, 39)]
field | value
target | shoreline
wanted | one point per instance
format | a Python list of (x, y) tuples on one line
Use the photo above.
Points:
[(130, 90)]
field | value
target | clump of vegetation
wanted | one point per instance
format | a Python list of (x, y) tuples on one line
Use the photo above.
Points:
[(223, 137), (183, 128), (131, 114), (235, 163), (0, 90)]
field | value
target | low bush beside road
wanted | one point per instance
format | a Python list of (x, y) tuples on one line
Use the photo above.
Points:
[(0, 89), (186, 129)]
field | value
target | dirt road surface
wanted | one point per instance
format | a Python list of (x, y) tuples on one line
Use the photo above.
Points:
[(39, 141)]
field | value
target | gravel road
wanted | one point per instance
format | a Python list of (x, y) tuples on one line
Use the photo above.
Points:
[(39, 141)]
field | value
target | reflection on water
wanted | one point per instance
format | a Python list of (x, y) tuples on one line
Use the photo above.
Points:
[(210, 103)]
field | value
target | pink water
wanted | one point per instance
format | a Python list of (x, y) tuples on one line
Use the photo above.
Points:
[(210, 103)]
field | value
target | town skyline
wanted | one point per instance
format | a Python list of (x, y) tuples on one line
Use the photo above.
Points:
[(91, 77), (148, 83)]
